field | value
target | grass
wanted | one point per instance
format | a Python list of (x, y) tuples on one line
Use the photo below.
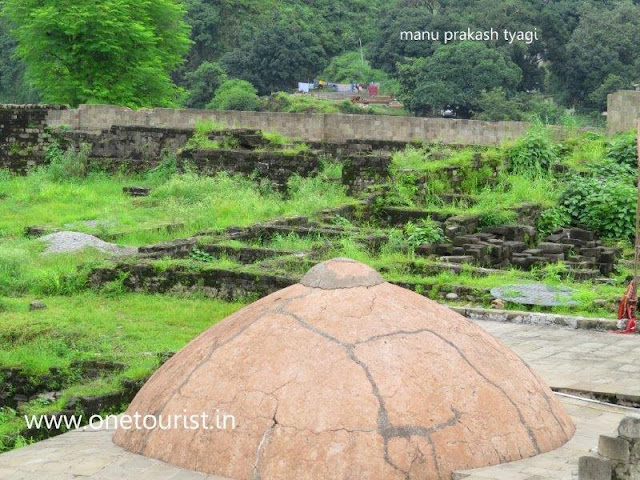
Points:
[(133, 329), (179, 206), (193, 201), (129, 328), (23, 270)]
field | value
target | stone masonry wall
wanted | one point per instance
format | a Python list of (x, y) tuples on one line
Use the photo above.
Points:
[(24, 135), (306, 126), (623, 111)]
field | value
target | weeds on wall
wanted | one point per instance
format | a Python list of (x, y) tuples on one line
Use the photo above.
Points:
[(71, 164), (604, 205), (623, 150)]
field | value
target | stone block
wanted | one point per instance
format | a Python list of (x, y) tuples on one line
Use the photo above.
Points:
[(516, 247), (443, 249), (629, 428), (548, 247), (553, 257), (594, 468), (614, 448), (581, 234)]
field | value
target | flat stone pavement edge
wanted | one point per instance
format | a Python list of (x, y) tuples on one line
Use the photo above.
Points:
[(581, 360)]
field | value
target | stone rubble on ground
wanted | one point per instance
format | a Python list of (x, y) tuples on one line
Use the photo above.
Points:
[(64, 242), (618, 457)]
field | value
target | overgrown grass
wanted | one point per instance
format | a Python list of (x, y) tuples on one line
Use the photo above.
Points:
[(190, 202), (129, 328), (24, 270)]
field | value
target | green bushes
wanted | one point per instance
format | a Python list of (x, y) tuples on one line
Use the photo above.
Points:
[(552, 219), (67, 165), (235, 95), (604, 205), (532, 154), (604, 199), (623, 149), (425, 231)]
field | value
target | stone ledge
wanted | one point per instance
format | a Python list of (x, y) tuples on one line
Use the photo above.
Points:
[(535, 318)]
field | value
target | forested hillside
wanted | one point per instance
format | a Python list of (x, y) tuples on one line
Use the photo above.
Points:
[(585, 50)]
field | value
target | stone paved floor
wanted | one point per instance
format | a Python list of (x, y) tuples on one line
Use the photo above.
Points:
[(591, 419), (566, 358), (87, 455), (586, 360)]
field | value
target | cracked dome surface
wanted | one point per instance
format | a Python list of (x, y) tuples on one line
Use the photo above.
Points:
[(345, 376)]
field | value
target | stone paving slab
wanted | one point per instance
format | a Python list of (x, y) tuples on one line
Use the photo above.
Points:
[(580, 360), (88, 454), (591, 419)]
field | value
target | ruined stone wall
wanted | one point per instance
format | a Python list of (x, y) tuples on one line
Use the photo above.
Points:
[(131, 148), (24, 135), (623, 111), (310, 127)]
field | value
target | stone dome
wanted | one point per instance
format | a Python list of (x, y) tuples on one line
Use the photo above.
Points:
[(345, 376)]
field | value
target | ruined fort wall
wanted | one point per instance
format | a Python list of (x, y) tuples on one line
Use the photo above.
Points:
[(311, 127)]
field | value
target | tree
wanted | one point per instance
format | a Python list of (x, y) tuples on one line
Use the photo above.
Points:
[(604, 54), (13, 88), (202, 84), (100, 51), (456, 74), (349, 67), (388, 49), (235, 95), (280, 56)]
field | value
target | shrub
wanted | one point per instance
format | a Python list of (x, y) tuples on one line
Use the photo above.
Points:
[(235, 95), (72, 164), (200, 139), (533, 153), (424, 231), (496, 217), (624, 150), (605, 205), (166, 168), (552, 219)]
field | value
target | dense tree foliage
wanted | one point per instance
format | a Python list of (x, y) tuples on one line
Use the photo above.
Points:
[(202, 83), (235, 95), (604, 54), (13, 88), (82, 51), (281, 55), (107, 51), (456, 75)]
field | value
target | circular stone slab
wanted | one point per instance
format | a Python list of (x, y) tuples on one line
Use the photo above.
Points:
[(535, 294), (345, 376)]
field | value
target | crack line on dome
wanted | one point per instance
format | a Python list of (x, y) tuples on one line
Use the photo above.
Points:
[(385, 429), (546, 397), (159, 413), (263, 441), (464, 357)]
